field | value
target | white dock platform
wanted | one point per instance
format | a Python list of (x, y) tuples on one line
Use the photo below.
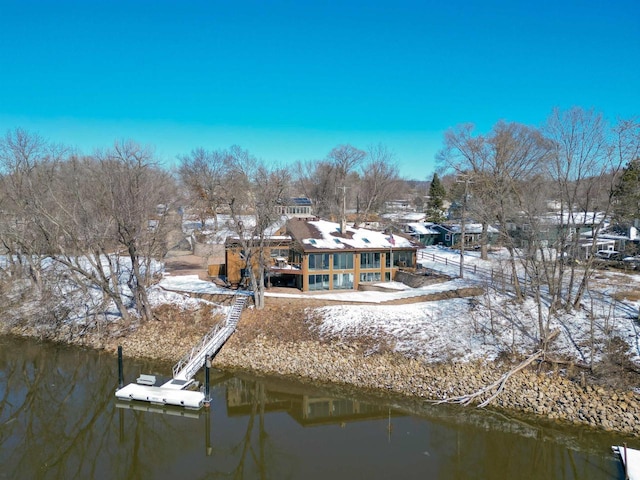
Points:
[(161, 395), (175, 391), (630, 460)]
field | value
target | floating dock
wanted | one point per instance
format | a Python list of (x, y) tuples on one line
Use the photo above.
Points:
[(177, 391), (630, 460), (161, 396)]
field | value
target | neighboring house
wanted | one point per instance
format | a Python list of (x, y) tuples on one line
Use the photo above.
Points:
[(295, 207), (402, 218), (425, 233), (451, 233), (620, 238), (398, 205), (549, 229)]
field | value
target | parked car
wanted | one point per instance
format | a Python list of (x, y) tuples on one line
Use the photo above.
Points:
[(632, 262)]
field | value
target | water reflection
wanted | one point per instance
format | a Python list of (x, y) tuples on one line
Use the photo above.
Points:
[(59, 419), (304, 404)]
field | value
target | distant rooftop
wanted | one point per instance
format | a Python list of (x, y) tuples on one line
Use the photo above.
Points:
[(295, 201)]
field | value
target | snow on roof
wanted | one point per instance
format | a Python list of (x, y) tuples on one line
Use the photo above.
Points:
[(226, 229), (574, 218), (326, 235), (423, 228), (405, 216), (470, 228)]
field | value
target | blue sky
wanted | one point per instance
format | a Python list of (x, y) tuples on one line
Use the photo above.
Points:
[(289, 80)]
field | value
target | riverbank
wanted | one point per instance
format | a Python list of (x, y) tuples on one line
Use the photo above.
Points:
[(282, 341), (548, 394), (562, 394)]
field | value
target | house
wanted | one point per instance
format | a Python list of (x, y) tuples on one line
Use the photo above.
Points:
[(330, 259), (316, 255), (621, 238), (424, 233), (294, 207), (450, 234), (554, 227)]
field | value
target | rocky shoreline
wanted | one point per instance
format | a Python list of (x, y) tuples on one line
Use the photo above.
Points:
[(549, 394)]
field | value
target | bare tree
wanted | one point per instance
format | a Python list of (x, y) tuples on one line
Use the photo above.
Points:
[(315, 180), (138, 198), (627, 192), (25, 160), (344, 160), (86, 215), (379, 182), (201, 172), (253, 191), (589, 157)]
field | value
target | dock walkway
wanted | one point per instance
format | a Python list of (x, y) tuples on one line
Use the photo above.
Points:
[(174, 392)]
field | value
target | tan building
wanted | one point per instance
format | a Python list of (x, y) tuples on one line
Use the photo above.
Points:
[(316, 255)]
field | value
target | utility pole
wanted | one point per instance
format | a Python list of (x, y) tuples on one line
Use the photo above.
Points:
[(465, 179)]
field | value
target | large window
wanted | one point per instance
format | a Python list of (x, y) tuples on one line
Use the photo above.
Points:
[(370, 277), (370, 260), (319, 261), (343, 261), (400, 259), (318, 282), (343, 281)]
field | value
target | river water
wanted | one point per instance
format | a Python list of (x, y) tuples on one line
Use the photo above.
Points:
[(59, 419)]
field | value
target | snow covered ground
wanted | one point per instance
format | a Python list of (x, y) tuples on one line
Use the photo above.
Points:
[(466, 329)]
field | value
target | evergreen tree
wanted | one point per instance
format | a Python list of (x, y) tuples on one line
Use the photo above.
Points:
[(437, 194), (627, 194)]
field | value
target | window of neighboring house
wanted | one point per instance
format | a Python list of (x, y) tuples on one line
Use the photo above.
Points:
[(319, 282), (319, 261), (343, 261), (447, 237), (370, 260), (370, 277), (342, 281)]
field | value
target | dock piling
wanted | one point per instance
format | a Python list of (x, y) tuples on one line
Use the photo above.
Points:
[(120, 368), (207, 368)]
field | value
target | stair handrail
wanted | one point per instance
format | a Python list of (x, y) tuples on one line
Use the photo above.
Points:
[(181, 365)]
